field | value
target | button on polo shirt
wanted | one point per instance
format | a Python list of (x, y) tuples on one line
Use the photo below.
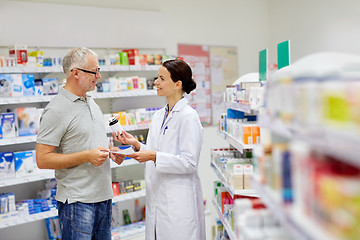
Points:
[(74, 124)]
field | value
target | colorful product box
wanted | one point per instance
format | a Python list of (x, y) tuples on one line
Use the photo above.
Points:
[(19, 52), (17, 85), (8, 125), (28, 83), (7, 166), (133, 56), (24, 163), (5, 85), (28, 121), (50, 86)]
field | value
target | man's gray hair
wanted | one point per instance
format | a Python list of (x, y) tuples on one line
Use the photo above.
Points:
[(76, 57)]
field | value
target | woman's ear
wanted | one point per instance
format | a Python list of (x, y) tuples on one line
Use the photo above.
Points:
[(178, 84)]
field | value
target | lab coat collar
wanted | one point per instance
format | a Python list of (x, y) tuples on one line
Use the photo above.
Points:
[(178, 106)]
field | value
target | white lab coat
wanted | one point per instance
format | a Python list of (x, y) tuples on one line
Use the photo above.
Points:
[(174, 200)]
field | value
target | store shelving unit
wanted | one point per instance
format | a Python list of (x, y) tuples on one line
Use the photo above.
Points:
[(299, 225), (234, 142), (20, 143), (247, 108), (13, 221), (230, 189), (224, 221), (58, 69)]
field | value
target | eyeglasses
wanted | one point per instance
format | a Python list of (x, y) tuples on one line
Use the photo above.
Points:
[(97, 73)]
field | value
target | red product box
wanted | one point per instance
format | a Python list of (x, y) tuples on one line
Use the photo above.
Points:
[(19, 52), (115, 188), (133, 56)]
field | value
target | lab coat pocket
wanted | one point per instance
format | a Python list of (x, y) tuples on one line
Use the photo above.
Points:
[(181, 201)]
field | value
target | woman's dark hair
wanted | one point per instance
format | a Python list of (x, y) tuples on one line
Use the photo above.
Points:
[(180, 70)]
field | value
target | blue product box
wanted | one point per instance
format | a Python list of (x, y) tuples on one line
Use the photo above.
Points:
[(17, 85), (7, 166), (1, 133), (24, 163), (5, 85), (234, 114), (39, 90), (8, 125), (28, 81), (28, 121), (53, 228)]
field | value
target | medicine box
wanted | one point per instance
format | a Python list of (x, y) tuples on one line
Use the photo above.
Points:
[(7, 167), (50, 86), (28, 121), (8, 125), (17, 85), (19, 52), (24, 163), (5, 85), (28, 84)]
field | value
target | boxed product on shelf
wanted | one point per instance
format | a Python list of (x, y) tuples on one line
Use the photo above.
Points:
[(7, 165), (8, 125), (39, 57), (39, 89), (133, 56), (5, 85), (19, 52), (17, 85), (53, 228), (28, 84), (50, 86), (28, 121), (25, 163), (124, 59)]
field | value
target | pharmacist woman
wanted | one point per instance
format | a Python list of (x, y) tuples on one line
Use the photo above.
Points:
[(174, 200)]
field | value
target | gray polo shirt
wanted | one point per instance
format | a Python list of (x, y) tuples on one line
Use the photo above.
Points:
[(73, 124)]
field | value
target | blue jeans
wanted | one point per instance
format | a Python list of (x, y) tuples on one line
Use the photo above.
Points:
[(85, 221)]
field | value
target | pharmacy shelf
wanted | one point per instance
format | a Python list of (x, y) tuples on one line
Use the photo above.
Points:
[(31, 139), (296, 223), (234, 142), (27, 178), (129, 232), (339, 144), (50, 174), (128, 196), (59, 69), (243, 107), (17, 140), (17, 220), (95, 95), (275, 125), (230, 189), (224, 221), (12, 220)]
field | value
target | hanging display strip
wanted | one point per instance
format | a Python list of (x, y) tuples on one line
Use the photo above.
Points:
[(224, 221)]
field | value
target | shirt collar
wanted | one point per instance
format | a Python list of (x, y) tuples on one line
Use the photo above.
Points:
[(72, 97)]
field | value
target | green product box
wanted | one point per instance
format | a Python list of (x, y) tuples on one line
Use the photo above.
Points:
[(124, 60)]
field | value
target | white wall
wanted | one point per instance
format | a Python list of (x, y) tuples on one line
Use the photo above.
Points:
[(314, 26), (238, 23)]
